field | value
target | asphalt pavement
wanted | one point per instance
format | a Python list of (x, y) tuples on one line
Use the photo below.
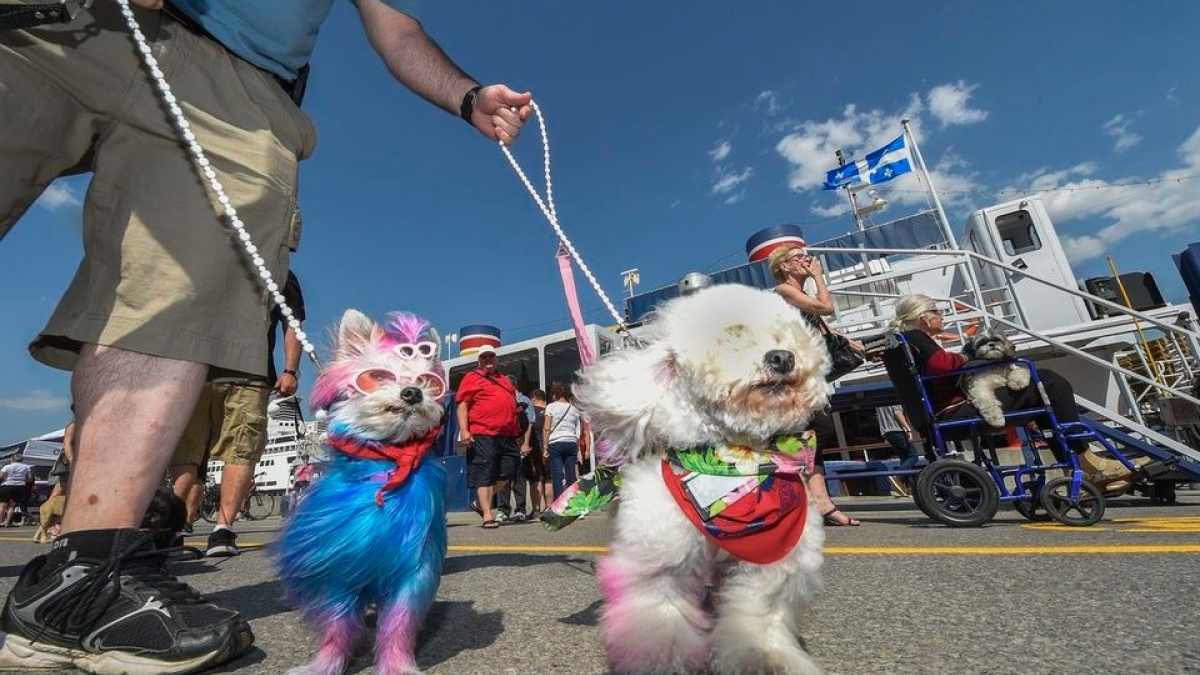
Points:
[(903, 595)]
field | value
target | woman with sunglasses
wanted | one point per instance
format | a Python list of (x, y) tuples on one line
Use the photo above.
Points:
[(921, 322), (794, 269)]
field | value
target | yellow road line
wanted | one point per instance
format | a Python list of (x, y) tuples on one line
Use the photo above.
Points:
[(471, 548), (1161, 525), (887, 550), (1013, 550), (1093, 549)]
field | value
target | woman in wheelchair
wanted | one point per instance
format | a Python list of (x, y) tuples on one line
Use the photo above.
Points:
[(918, 317)]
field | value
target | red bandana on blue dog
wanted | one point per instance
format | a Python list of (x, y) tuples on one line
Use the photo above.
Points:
[(406, 456)]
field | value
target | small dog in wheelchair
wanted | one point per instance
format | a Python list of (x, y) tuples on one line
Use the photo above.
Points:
[(981, 385)]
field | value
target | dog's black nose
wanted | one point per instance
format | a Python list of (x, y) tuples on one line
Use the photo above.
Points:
[(780, 360), (411, 395)]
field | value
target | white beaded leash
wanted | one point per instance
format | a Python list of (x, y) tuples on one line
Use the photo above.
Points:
[(200, 159), (551, 213), (204, 167)]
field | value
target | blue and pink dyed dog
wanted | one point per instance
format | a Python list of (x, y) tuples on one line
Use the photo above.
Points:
[(371, 533)]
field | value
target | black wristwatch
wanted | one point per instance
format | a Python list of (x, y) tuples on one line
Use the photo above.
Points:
[(468, 103), (293, 373)]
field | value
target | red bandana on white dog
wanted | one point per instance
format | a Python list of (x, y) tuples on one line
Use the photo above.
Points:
[(763, 515)]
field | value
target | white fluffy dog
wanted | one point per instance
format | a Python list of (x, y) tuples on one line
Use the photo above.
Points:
[(981, 385), (729, 370)]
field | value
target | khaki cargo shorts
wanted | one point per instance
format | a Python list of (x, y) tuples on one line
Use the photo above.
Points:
[(229, 425), (160, 274)]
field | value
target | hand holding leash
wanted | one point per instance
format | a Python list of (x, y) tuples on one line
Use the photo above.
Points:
[(499, 112)]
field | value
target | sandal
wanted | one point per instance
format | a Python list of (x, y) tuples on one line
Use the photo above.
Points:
[(475, 507), (490, 524), (830, 521)]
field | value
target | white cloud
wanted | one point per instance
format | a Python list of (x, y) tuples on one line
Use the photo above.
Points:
[(768, 101), (728, 182), (59, 196), (38, 400), (1173, 95), (1190, 150), (721, 151), (810, 148), (833, 209), (949, 104), (1118, 128), (1165, 207)]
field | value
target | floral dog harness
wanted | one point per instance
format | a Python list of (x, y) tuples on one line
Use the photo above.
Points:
[(749, 502)]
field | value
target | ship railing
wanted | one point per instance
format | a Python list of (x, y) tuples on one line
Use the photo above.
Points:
[(972, 300)]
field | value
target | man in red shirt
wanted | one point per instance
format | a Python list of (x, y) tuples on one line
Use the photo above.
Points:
[(487, 421)]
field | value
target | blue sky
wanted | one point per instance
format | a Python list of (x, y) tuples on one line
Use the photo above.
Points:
[(679, 130)]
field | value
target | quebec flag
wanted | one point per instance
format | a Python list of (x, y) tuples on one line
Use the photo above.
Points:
[(882, 165)]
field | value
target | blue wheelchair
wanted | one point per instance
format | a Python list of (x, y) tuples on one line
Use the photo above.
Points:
[(961, 493)]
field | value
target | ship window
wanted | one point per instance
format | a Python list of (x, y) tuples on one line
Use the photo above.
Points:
[(457, 373), (1018, 233), (523, 366), (562, 362)]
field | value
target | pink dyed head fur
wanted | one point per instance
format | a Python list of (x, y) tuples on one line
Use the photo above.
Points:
[(372, 365)]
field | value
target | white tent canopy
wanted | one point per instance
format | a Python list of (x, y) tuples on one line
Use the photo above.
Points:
[(41, 450)]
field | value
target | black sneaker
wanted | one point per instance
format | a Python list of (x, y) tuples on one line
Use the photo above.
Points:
[(222, 544), (124, 615), (519, 517)]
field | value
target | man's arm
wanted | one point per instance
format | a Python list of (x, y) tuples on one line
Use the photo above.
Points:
[(420, 64), (287, 383), (903, 422), (464, 424), (525, 440)]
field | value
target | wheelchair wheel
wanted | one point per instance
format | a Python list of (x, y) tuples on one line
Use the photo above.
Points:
[(958, 493), (1081, 512), (1031, 508), (917, 497)]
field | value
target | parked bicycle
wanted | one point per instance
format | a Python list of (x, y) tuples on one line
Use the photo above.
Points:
[(258, 505)]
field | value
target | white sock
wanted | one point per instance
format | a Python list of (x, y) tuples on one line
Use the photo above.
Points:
[(218, 528)]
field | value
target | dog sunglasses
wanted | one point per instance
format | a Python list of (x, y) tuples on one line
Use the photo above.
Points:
[(424, 350), (369, 380)]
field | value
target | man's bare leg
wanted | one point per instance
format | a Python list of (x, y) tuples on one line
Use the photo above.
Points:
[(194, 499), (184, 481), (484, 494), (235, 485), (130, 409)]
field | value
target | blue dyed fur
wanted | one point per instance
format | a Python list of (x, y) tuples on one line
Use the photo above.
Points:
[(340, 552)]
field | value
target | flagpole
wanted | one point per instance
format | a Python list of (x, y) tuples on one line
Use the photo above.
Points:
[(937, 203), (841, 158), (866, 261)]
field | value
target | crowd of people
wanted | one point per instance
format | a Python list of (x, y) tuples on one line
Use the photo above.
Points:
[(521, 450)]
